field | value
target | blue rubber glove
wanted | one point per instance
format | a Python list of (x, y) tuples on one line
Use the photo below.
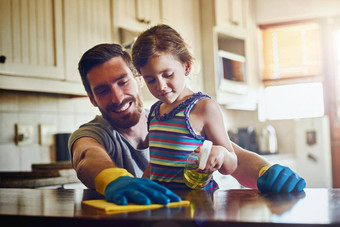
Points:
[(280, 179), (138, 190)]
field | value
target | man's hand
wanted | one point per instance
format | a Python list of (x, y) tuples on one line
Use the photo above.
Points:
[(280, 179), (138, 190)]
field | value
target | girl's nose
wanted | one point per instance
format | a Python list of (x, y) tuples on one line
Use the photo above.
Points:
[(161, 85)]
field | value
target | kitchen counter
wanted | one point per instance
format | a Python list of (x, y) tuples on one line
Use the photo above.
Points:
[(56, 175), (241, 207)]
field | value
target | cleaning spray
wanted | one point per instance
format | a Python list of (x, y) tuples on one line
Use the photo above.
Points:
[(192, 178)]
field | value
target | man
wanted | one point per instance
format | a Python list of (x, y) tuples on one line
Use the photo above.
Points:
[(111, 152)]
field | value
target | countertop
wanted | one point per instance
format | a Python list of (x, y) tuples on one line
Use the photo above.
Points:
[(238, 207), (55, 175)]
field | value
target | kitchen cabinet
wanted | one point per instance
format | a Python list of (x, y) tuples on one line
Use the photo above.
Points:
[(31, 38), (86, 23), (220, 32), (43, 42), (135, 15), (231, 15)]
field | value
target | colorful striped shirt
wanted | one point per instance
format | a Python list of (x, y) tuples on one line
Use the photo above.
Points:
[(171, 140)]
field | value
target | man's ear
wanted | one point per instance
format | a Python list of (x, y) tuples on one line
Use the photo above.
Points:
[(92, 100)]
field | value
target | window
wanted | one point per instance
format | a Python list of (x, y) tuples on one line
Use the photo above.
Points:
[(291, 50), (337, 43), (292, 71), (293, 101)]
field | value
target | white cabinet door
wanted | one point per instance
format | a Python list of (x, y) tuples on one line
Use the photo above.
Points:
[(231, 15), (136, 15), (86, 23), (31, 38)]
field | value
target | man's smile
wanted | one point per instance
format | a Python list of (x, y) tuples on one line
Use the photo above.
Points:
[(122, 108)]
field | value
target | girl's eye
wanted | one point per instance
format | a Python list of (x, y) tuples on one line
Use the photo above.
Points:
[(168, 75)]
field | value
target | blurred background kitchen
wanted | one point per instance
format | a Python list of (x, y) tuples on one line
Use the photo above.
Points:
[(273, 65)]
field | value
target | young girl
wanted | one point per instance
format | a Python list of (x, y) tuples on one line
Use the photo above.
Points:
[(181, 120)]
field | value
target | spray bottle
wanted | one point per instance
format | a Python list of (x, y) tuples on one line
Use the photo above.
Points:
[(192, 178)]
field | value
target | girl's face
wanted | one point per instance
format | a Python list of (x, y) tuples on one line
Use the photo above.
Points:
[(165, 77)]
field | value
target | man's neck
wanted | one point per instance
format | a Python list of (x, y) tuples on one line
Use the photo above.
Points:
[(137, 135)]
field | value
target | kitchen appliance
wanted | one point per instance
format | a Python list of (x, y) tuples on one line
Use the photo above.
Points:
[(61, 142), (245, 138), (232, 72), (268, 140), (232, 66), (313, 151)]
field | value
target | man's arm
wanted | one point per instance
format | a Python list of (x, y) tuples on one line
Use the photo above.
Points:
[(89, 159), (249, 166), (96, 170), (272, 179)]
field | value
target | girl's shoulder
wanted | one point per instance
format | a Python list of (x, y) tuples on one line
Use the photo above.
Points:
[(206, 105), (204, 100)]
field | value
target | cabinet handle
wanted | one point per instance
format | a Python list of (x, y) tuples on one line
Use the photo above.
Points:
[(143, 21), (2, 59)]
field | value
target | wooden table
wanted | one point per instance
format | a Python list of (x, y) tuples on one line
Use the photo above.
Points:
[(243, 207)]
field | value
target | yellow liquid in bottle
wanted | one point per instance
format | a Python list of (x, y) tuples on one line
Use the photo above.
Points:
[(196, 180)]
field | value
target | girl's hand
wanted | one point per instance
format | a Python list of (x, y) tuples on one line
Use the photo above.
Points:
[(215, 160)]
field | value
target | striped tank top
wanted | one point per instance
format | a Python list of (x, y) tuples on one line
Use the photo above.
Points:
[(171, 140)]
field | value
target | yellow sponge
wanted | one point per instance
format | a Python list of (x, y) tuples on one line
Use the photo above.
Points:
[(108, 207)]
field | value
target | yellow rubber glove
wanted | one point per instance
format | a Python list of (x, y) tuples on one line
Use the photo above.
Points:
[(120, 187), (107, 176), (263, 170)]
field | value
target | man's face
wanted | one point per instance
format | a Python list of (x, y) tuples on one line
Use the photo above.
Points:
[(116, 93)]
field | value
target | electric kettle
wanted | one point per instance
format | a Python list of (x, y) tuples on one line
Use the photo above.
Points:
[(268, 140)]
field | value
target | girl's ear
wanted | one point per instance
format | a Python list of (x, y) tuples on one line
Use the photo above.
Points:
[(140, 81), (92, 100), (187, 66)]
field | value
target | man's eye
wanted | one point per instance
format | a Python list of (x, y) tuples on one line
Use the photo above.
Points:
[(100, 91), (150, 81)]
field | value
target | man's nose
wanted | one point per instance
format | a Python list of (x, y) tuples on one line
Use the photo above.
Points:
[(117, 95)]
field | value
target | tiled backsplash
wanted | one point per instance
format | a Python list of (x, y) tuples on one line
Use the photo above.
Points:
[(65, 113)]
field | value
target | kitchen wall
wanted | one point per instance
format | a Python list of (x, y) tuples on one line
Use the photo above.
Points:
[(65, 113), (271, 11), (285, 129)]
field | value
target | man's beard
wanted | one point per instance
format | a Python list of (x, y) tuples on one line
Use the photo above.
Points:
[(128, 120)]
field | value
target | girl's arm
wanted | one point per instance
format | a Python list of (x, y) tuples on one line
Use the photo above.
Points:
[(207, 119)]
